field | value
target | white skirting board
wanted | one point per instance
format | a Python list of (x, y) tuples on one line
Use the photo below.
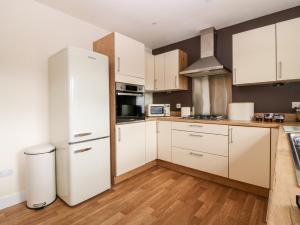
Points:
[(13, 199)]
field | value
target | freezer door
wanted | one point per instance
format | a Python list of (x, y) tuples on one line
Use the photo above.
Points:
[(89, 95), (89, 170)]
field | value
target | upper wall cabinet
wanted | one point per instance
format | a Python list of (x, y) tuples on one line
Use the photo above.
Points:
[(288, 49), (166, 71), (267, 54), (254, 56), (130, 58), (149, 69), (126, 57), (159, 72)]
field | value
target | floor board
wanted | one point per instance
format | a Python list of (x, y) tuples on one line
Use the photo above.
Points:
[(158, 196)]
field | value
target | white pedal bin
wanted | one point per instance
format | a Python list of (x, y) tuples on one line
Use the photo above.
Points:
[(40, 176)]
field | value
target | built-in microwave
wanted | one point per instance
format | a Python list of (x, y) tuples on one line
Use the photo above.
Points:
[(158, 110)]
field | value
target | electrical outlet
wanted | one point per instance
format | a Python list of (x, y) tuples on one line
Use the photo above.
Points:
[(178, 106), (295, 105), (6, 173)]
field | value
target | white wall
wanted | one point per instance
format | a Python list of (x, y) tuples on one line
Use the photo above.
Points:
[(29, 33)]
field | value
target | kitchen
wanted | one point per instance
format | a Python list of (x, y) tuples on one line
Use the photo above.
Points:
[(198, 125)]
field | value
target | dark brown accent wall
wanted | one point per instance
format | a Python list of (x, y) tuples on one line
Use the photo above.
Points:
[(267, 98)]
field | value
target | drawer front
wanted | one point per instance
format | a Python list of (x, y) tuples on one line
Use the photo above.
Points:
[(200, 127), (213, 164), (209, 143)]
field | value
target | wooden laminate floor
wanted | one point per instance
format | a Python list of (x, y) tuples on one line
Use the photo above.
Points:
[(158, 196)]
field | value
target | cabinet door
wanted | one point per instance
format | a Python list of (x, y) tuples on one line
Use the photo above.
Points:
[(164, 138), (288, 48), (249, 155), (254, 56), (159, 66), (130, 146), (129, 57), (171, 70), (151, 141), (149, 81)]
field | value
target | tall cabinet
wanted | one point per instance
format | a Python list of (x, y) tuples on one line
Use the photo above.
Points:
[(126, 64)]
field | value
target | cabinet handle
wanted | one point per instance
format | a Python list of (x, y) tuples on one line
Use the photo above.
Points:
[(234, 75), (193, 125), (118, 63), (279, 69), (196, 154), (155, 83), (83, 150), (196, 135), (119, 134), (83, 134), (230, 134)]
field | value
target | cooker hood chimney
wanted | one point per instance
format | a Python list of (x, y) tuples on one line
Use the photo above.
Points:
[(208, 64)]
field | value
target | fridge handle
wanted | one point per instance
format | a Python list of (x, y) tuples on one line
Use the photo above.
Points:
[(83, 134), (119, 134), (82, 150)]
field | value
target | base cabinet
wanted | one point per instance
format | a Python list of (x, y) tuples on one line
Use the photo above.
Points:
[(249, 155), (151, 141), (209, 163), (164, 140), (130, 147)]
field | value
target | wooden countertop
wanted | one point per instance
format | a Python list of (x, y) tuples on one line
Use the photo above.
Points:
[(282, 208), (220, 122)]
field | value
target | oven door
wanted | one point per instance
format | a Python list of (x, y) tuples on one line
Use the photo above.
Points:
[(129, 106), (156, 110)]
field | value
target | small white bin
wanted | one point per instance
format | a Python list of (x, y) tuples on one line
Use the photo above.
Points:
[(40, 176)]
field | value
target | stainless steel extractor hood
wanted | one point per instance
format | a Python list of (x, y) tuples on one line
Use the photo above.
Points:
[(208, 64)]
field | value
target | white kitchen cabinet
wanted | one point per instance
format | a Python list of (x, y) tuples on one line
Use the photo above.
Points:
[(167, 68), (288, 48), (149, 76), (209, 143), (164, 140), (129, 58), (159, 74), (151, 141), (209, 163), (130, 146), (254, 56), (249, 155), (172, 69)]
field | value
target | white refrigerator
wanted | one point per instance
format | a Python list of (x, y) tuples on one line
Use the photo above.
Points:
[(79, 123)]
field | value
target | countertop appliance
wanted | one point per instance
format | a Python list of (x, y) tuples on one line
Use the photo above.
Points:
[(158, 110), (185, 112), (79, 123), (241, 111), (129, 102)]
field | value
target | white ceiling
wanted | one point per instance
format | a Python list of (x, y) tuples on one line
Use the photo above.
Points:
[(176, 19)]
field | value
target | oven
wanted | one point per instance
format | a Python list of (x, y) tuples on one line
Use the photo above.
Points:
[(129, 102)]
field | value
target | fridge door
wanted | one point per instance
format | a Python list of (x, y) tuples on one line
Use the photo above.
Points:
[(89, 95), (89, 170)]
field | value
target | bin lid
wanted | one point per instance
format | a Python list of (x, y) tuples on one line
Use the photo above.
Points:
[(39, 149)]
